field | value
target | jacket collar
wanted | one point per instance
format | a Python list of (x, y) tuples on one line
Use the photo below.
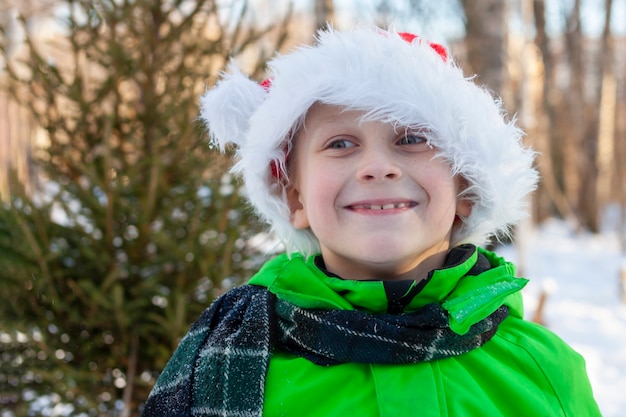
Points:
[(490, 278)]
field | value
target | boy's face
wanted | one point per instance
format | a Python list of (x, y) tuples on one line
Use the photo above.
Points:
[(380, 204)]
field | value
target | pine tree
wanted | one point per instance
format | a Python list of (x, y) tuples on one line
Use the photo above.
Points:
[(137, 224)]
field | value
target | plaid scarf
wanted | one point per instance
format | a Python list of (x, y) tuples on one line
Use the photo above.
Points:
[(219, 367)]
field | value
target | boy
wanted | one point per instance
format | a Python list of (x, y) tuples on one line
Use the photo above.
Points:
[(381, 168)]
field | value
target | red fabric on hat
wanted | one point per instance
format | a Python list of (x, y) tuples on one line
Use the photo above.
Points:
[(266, 83), (440, 49)]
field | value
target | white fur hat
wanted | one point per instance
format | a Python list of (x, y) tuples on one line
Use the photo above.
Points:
[(393, 77)]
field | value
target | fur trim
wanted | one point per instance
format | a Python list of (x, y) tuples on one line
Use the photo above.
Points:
[(392, 80), (226, 109)]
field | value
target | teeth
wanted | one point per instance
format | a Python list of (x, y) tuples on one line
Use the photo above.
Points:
[(383, 206)]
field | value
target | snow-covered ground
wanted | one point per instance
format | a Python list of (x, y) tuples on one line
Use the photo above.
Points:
[(581, 274)]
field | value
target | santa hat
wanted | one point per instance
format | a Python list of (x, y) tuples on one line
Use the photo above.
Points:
[(393, 77)]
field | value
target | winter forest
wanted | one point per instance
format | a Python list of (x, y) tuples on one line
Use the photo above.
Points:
[(119, 223)]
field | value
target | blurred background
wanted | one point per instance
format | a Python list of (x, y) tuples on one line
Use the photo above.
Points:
[(119, 223)]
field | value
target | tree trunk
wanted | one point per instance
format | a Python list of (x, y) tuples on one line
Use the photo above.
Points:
[(620, 168), (485, 27), (619, 181), (575, 124), (550, 197), (324, 13), (17, 137), (606, 125)]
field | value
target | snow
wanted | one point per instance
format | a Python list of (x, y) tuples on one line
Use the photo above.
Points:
[(580, 274)]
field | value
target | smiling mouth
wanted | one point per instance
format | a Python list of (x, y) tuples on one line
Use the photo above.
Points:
[(388, 206)]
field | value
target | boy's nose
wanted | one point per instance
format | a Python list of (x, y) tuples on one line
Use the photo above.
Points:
[(378, 166)]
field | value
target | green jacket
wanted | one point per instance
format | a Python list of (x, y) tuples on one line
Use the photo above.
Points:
[(524, 370)]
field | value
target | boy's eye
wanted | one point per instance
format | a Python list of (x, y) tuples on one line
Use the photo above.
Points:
[(412, 140), (341, 144)]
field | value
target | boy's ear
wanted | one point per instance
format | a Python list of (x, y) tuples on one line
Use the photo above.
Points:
[(463, 207), (463, 204), (297, 211)]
